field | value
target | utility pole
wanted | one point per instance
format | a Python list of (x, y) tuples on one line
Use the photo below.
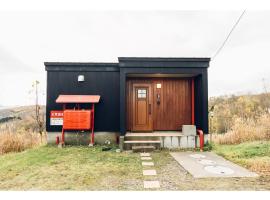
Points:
[(37, 110)]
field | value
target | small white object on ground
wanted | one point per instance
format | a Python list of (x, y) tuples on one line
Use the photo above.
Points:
[(197, 156), (150, 172), (147, 163), (118, 150), (146, 158), (145, 154), (151, 184)]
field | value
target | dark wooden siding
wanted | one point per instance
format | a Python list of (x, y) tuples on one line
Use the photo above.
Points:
[(103, 83), (174, 109)]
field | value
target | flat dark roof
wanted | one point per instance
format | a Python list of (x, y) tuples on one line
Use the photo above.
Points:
[(80, 64), (137, 62), (164, 59)]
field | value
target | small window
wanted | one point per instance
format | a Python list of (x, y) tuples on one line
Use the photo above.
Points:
[(142, 93)]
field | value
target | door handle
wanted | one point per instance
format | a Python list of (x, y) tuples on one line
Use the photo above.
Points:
[(158, 99), (149, 109)]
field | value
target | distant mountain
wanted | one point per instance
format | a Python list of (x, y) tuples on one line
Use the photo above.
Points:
[(10, 112)]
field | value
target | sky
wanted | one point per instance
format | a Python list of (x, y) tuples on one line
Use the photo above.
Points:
[(28, 39)]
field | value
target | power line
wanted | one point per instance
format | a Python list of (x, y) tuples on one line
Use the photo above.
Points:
[(223, 44)]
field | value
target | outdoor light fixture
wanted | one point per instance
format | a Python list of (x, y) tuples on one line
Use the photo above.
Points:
[(158, 85), (81, 78)]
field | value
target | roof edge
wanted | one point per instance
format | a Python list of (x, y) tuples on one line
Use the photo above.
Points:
[(165, 59), (80, 64)]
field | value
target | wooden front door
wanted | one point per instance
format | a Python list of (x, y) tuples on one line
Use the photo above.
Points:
[(142, 107)]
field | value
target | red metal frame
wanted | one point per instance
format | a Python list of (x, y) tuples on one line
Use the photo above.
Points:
[(201, 136), (77, 100), (92, 122), (92, 139), (192, 102)]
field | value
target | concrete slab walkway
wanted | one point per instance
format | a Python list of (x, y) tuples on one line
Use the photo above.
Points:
[(147, 163), (208, 164), (146, 158), (149, 172)]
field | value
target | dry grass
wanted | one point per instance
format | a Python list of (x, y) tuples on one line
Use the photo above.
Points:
[(260, 165), (16, 142), (21, 133), (246, 130)]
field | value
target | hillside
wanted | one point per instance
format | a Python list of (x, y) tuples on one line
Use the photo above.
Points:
[(18, 113), (236, 119)]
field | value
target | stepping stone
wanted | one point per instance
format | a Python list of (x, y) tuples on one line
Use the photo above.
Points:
[(150, 172), (145, 154), (151, 184), (146, 158), (147, 163)]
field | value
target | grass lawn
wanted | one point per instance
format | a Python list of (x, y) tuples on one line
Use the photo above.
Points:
[(84, 168), (252, 155), (70, 168)]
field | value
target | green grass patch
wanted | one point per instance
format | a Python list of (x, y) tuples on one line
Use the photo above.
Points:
[(253, 155), (69, 168)]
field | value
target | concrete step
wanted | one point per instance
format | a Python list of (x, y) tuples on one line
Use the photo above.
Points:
[(141, 138), (129, 138), (128, 145), (143, 148), (155, 134), (142, 142)]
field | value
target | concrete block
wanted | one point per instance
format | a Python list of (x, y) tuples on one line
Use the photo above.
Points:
[(183, 142), (82, 137), (145, 154), (147, 164), (191, 141), (121, 143), (175, 142), (150, 172), (146, 158), (189, 130), (167, 142)]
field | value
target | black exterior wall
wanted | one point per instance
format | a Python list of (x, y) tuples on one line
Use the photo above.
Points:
[(99, 80), (109, 81)]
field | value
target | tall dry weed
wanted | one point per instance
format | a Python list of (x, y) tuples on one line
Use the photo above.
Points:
[(246, 130), (16, 136)]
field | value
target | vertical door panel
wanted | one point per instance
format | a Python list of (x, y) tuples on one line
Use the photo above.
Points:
[(142, 106)]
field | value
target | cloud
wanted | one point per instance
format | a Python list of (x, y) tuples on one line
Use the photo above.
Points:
[(27, 39), (10, 63)]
